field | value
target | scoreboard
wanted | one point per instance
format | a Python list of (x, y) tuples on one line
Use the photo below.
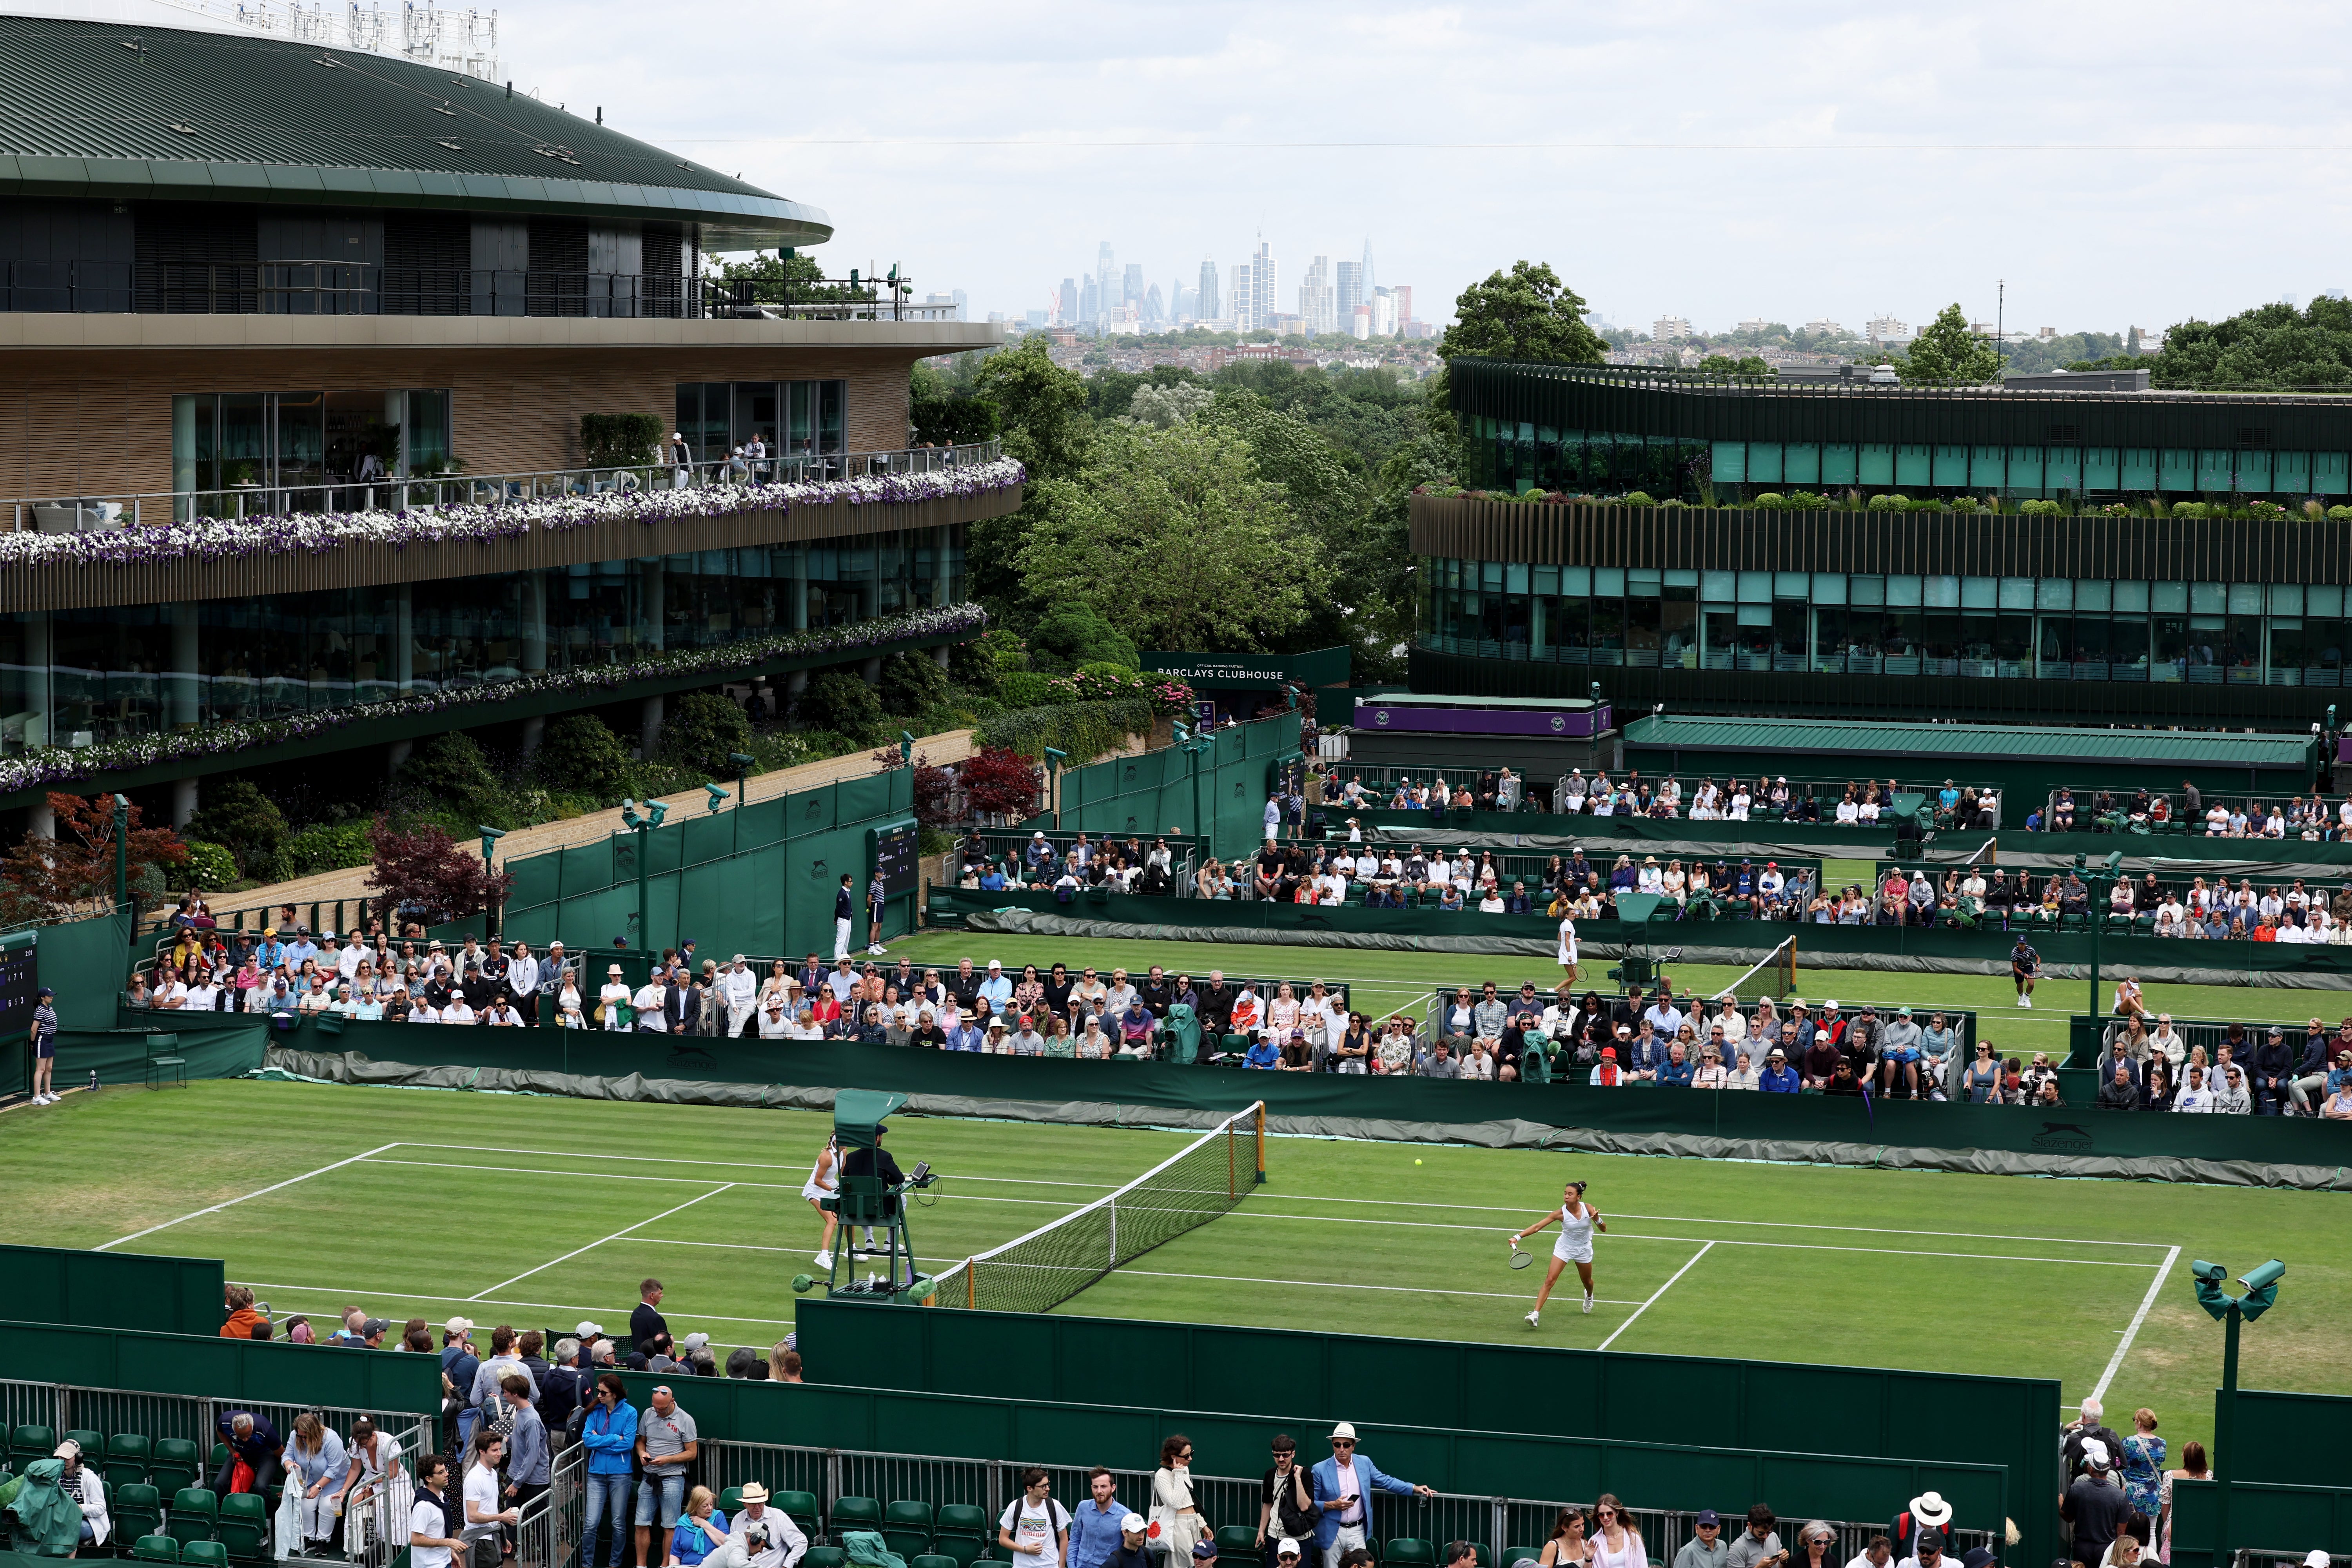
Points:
[(891, 853)]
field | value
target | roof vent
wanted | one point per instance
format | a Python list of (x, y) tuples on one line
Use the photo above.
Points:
[(183, 127), (136, 46), (442, 108), (331, 62), (452, 146), (688, 167)]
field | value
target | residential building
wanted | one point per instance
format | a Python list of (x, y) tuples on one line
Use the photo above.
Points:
[(1383, 307), (1825, 328), (1317, 299), (1884, 329), (1350, 284), (415, 541), (1404, 292), (1754, 326), (1670, 329), (1210, 307), (1066, 311), (2095, 616), (1263, 289), (1245, 318)]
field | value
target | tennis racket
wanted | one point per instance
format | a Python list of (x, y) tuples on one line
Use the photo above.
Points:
[(1520, 1259)]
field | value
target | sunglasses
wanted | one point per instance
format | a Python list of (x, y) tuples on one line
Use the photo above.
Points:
[(1343, 1442)]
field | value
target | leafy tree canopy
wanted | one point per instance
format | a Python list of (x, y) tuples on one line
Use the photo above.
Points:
[(1041, 407), (1948, 354), (1525, 314), (2271, 347), (1746, 364)]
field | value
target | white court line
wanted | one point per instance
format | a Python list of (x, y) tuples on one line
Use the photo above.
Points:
[(614, 1176), (2116, 1362), (1320, 1198), (1661, 1290), (1156, 1273), (230, 1203), (594, 1245)]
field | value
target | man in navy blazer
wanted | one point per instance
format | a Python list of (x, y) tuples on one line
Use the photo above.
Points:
[(1344, 1484)]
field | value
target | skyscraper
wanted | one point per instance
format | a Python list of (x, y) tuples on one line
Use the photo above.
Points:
[(1155, 314), (1210, 303), (1105, 279), (1266, 299), (1404, 292), (1089, 303), (1243, 320), (1067, 311), (1130, 290), (1368, 264), (1317, 301), (1351, 290)]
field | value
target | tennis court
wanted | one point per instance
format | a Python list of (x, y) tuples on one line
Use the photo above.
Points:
[(542, 1212)]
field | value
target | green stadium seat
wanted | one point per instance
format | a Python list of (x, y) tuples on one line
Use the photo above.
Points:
[(932, 1560), (798, 1507), (205, 1553), (194, 1513), (93, 1444), (28, 1443), (218, 1457), (126, 1459), (155, 1549), (1238, 1542), (855, 1514), (826, 1557), (171, 1464), (730, 1502), (1521, 1554), (137, 1510), (906, 1528), (961, 1532), (245, 1526), (1407, 1551)]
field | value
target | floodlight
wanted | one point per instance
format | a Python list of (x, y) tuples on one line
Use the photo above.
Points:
[(2262, 1290), (656, 811), (718, 794)]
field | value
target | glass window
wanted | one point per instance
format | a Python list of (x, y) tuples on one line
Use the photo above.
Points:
[(1644, 584), (2101, 596), (1941, 592), (1546, 581), (1515, 577), (1576, 582), (2323, 601), (2164, 598), (2209, 598), (1490, 576), (2245, 598), (833, 415), (2050, 594), (1609, 582), (1829, 587), (1756, 588), (1979, 594), (1718, 587), (1789, 585), (1864, 589), (1902, 592), (2286, 598)]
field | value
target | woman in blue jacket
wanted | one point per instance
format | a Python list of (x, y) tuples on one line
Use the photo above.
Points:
[(609, 1433)]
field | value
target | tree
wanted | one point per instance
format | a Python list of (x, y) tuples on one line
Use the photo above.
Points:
[(580, 754), (912, 682), (1948, 354), (1175, 538), (1160, 406), (45, 880), (941, 415), (246, 823), (1041, 406), (794, 278), (2271, 347), (427, 876), (1746, 364), (838, 701), (999, 781), (1072, 634), (934, 794), (1525, 314), (450, 773)]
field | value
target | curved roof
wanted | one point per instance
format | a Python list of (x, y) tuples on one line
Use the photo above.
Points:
[(104, 109)]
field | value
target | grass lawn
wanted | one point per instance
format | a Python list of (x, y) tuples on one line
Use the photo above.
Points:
[(539, 1211)]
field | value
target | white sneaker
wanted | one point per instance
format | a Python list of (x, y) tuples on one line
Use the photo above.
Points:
[(2026, 1001), (824, 1261), (2021, 999), (1532, 1320), (875, 947), (1588, 1302)]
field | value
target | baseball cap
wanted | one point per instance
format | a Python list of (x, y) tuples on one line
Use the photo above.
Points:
[(1978, 1557), (459, 1325), (375, 1326), (1204, 1550), (68, 1449), (1132, 1524), (1928, 1541), (695, 1342), (1285, 1547), (588, 1330), (1707, 1516)]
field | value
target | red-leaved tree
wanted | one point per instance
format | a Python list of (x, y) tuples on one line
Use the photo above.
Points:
[(425, 876), (72, 875), (997, 779)]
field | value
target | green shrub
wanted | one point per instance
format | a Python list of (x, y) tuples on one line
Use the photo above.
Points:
[(973, 667), (838, 701), (1024, 689), (1641, 498), (619, 440), (2340, 513), (1965, 503), (2041, 509), (1897, 502), (450, 773), (327, 846), (1083, 729), (1072, 634), (698, 730), (580, 754), (912, 682), (1770, 500), (208, 865), (244, 821)]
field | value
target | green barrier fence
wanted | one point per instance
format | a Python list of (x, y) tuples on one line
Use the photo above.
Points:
[(210, 1045), (1547, 831), (1670, 1473), (210, 1367), (1927, 949), (2265, 1516), (116, 1289), (2078, 1140), (1214, 788), (2294, 1440), (87, 963)]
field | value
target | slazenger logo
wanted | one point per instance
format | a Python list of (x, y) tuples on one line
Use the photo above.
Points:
[(2070, 1135), (691, 1057), (1380, 717)]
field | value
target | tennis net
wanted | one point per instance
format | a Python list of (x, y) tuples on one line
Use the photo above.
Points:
[(1775, 975), (1052, 1262)]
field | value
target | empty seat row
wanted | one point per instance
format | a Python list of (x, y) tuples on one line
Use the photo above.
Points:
[(957, 1533), (163, 1549), (165, 1463)]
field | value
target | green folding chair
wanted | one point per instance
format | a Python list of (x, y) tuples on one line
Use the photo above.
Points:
[(193, 1514), (204, 1555), (906, 1528), (245, 1526), (127, 1455), (155, 1549), (171, 1464), (960, 1533), (1408, 1551), (137, 1510)]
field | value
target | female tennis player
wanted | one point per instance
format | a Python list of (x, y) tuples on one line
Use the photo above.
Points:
[(824, 1181), (1578, 1221)]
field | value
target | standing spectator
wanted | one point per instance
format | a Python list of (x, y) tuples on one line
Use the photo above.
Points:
[(762, 1537), (430, 1538), (1094, 1533), (1616, 1543), (372, 1481), (1759, 1545), (1036, 1529), (484, 1517), (512, 1417), (1706, 1547), (2093, 1504), (667, 1444), (609, 1432), (1568, 1548), (1343, 1487), (253, 1443), (2143, 1464), (1173, 1511), (1286, 1505), (644, 1318)]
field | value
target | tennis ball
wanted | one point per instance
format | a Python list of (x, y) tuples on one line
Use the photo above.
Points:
[(1416, 1161)]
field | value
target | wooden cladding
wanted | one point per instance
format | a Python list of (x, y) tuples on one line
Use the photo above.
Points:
[(1982, 544), (63, 587)]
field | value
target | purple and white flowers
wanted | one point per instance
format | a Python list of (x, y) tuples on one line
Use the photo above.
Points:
[(225, 539), (34, 770)]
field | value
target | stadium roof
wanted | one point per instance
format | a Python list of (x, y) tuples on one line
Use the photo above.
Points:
[(107, 108), (1965, 742)]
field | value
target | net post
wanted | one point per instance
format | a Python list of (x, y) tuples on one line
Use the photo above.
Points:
[(970, 1267), (1259, 1116)]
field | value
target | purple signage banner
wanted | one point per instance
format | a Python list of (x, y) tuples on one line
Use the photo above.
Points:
[(1580, 723)]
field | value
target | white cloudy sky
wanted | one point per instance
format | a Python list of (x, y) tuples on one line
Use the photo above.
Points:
[(2114, 163)]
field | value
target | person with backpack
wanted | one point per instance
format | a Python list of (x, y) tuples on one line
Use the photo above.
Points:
[(1286, 1500)]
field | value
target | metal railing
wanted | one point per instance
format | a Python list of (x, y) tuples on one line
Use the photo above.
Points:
[(551, 1528), (336, 288), (1498, 1524), (90, 513), (979, 850)]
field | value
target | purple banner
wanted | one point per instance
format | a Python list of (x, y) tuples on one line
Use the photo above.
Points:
[(1580, 723)]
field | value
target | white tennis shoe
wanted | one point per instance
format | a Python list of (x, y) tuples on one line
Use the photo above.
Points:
[(824, 1259), (1532, 1320), (1588, 1301)]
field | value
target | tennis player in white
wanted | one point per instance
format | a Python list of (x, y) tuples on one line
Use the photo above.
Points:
[(1578, 1221), (1567, 949), (824, 1181)]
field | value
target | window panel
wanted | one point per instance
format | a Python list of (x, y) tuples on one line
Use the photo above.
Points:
[(2050, 594)]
